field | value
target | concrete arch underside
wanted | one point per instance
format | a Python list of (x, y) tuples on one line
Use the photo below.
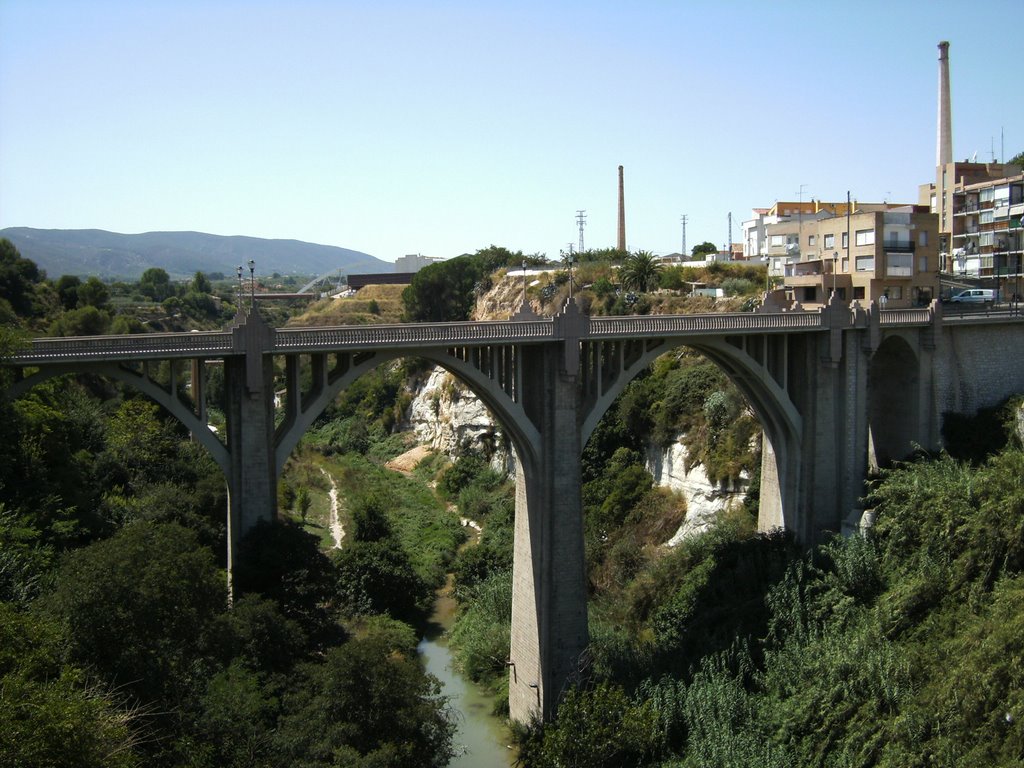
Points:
[(509, 414), (781, 422)]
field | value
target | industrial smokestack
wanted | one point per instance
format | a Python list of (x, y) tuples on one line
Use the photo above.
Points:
[(944, 143), (620, 243)]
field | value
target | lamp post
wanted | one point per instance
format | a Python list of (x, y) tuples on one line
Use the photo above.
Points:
[(524, 282), (252, 284), (239, 287)]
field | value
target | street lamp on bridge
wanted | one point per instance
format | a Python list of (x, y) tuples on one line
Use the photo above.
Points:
[(252, 284)]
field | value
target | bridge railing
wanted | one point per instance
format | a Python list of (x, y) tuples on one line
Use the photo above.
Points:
[(412, 335), (655, 325), (129, 347), (915, 316)]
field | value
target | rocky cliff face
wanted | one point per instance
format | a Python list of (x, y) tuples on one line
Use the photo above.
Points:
[(704, 501), (449, 418)]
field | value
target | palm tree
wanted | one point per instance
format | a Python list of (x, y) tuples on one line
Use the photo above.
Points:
[(640, 271)]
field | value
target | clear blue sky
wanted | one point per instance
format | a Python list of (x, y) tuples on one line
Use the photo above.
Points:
[(442, 127)]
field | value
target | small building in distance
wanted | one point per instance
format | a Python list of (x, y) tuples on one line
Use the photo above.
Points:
[(413, 262)]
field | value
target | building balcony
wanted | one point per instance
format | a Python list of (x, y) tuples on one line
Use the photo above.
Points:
[(902, 246), (960, 210)]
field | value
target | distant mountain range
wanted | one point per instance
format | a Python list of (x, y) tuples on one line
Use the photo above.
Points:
[(86, 252)]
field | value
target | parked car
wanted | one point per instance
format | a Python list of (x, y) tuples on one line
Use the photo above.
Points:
[(974, 296)]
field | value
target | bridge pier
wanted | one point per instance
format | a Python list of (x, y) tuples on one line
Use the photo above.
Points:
[(249, 401), (549, 583)]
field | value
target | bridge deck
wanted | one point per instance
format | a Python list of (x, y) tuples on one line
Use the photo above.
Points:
[(218, 344)]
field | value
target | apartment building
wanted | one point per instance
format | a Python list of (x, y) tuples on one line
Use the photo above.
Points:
[(987, 235), (755, 229), (894, 253), (948, 194)]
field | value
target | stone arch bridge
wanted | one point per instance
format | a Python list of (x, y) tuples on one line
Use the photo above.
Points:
[(836, 391)]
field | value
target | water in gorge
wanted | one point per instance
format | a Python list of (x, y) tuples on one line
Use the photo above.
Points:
[(481, 739)]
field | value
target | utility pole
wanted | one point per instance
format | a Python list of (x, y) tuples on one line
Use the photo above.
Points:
[(581, 220), (682, 255)]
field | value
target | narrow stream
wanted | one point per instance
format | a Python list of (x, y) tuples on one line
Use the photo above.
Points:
[(481, 740)]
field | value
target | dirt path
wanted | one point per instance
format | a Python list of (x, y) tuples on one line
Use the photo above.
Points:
[(337, 531)]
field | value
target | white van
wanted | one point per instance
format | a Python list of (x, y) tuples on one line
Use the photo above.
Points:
[(974, 296)]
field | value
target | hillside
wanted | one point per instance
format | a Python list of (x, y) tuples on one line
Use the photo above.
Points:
[(88, 252)]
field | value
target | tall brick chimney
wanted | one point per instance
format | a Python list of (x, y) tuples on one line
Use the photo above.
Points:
[(944, 143), (620, 243)]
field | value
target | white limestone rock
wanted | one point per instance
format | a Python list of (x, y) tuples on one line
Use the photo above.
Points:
[(704, 500), (449, 418)]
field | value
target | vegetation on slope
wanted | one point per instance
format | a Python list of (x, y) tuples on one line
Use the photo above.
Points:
[(117, 645), (898, 648)]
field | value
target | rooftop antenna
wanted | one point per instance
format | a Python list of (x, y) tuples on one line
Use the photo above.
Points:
[(581, 220)]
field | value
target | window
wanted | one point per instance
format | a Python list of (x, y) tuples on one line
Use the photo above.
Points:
[(846, 239), (858, 292), (922, 263), (778, 241), (866, 263), (985, 217), (865, 237), (846, 264), (830, 241), (894, 291), (810, 240), (922, 237), (987, 238), (899, 264), (810, 293), (986, 195)]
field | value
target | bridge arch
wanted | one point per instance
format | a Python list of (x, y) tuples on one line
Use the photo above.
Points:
[(505, 411), (894, 382), (781, 423), (168, 400)]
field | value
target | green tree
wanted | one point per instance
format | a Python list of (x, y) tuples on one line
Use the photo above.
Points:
[(702, 250), (368, 703), (156, 284), (282, 562), (443, 291), (201, 284), (50, 715), (640, 271), (93, 293), (67, 289), (85, 321), (141, 606), (302, 502), (18, 278)]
